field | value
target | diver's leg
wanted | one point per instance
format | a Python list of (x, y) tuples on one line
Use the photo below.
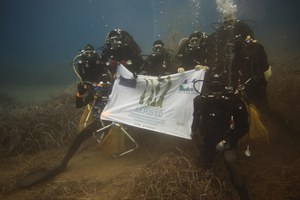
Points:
[(47, 173), (208, 153), (235, 171), (82, 136)]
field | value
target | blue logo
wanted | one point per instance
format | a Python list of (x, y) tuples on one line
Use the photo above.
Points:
[(187, 86), (127, 82)]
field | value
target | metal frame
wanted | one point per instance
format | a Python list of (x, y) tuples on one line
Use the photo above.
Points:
[(124, 131)]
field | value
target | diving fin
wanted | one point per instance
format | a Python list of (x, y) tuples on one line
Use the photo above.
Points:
[(39, 176)]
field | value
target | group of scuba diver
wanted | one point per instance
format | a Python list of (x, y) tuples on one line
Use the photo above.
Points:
[(236, 67)]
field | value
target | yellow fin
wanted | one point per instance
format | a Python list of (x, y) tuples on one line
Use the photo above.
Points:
[(114, 142), (268, 73), (86, 118), (257, 128)]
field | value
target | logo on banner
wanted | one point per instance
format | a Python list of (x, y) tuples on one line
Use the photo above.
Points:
[(154, 94), (127, 82), (186, 87)]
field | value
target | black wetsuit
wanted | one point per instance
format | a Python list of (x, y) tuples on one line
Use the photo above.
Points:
[(221, 118)]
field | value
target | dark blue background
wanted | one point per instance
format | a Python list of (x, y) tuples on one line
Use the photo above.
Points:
[(39, 38)]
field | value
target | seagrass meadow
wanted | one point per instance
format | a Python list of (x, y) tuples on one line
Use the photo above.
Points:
[(163, 167)]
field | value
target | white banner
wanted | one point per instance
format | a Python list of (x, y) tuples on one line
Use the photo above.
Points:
[(162, 104)]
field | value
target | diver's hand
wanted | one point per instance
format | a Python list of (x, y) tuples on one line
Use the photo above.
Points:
[(223, 145), (81, 87), (180, 70), (199, 67)]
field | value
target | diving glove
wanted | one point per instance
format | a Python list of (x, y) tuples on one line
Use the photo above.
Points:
[(81, 87), (180, 70), (223, 145)]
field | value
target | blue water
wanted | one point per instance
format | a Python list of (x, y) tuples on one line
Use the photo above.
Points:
[(39, 38)]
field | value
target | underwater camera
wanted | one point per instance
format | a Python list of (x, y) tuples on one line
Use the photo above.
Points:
[(102, 89)]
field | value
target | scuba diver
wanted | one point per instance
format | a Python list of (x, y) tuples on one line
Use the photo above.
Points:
[(95, 96), (192, 51), (220, 119), (88, 65), (93, 92), (159, 63), (221, 111), (121, 48), (236, 48), (227, 40)]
